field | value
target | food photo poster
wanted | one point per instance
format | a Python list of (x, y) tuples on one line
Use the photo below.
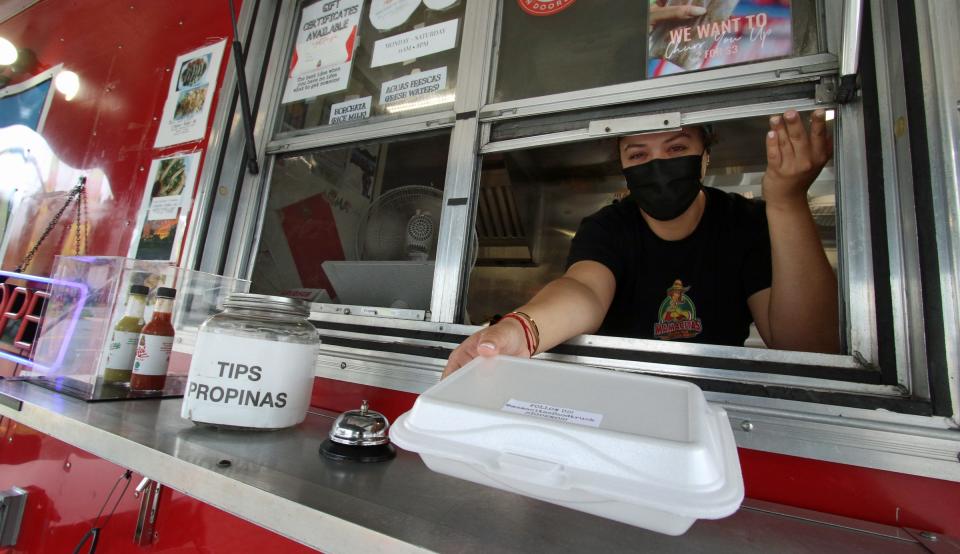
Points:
[(190, 96), (163, 211)]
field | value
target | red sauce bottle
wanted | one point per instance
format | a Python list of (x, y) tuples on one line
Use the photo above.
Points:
[(154, 345)]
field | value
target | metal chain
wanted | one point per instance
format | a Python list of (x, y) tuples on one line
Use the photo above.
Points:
[(78, 222), (78, 191), (86, 218)]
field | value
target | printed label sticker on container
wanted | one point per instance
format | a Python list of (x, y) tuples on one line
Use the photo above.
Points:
[(123, 350), (555, 413), (153, 355), (247, 382)]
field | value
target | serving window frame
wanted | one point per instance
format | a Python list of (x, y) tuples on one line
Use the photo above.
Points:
[(856, 262), (362, 343)]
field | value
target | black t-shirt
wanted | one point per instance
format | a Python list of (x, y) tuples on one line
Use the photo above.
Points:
[(693, 289)]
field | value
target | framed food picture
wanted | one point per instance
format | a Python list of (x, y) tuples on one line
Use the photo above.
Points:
[(190, 96), (163, 211)]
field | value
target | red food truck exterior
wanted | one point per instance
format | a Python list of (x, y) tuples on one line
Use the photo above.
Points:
[(489, 124)]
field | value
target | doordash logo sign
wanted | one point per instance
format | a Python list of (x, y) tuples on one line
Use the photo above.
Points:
[(544, 7)]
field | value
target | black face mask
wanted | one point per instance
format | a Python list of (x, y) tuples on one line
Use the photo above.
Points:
[(665, 188)]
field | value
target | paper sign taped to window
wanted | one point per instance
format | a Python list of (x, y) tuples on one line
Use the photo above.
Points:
[(387, 14), (351, 110), (416, 87), (415, 44), (323, 54)]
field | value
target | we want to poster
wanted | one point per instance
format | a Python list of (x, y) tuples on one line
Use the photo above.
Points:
[(728, 32)]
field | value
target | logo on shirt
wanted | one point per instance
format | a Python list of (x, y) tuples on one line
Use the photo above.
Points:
[(678, 316)]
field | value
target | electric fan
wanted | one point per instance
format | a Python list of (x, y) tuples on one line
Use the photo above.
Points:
[(401, 225), (396, 246)]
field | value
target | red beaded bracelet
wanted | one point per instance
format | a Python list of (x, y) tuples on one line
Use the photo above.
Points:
[(534, 331), (527, 332)]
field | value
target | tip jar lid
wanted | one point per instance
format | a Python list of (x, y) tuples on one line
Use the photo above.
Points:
[(281, 304), (363, 427)]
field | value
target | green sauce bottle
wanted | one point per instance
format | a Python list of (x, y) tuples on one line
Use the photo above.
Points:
[(123, 341)]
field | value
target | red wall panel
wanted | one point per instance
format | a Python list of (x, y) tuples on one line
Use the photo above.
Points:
[(870, 494), (311, 231), (67, 486), (341, 396), (123, 52)]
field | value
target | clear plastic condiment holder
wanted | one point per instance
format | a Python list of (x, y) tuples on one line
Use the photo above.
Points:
[(646, 451), (88, 296)]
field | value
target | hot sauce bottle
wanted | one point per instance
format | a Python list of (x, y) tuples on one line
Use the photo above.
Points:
[(154, 345), (126, 334)]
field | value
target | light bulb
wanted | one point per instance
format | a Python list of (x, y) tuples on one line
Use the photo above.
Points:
[(8, 52), (68, 83)]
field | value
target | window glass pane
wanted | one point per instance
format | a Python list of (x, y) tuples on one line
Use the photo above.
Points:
[(580, 44), (355, 224), (531, 204), (356, 59)]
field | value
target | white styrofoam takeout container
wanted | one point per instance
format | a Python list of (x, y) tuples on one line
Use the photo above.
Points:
[(642, 450)]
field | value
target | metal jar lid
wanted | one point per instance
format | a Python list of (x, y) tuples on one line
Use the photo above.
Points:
[(265, 302), (363, 427)]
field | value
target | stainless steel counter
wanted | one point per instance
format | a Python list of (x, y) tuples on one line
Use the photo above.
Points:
[(279, 481)]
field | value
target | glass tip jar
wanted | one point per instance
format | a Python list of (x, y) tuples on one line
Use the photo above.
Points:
[(253, 364)]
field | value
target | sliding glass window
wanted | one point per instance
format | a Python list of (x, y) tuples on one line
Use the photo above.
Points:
[(352, 61), (548, 47), (355, 225)]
